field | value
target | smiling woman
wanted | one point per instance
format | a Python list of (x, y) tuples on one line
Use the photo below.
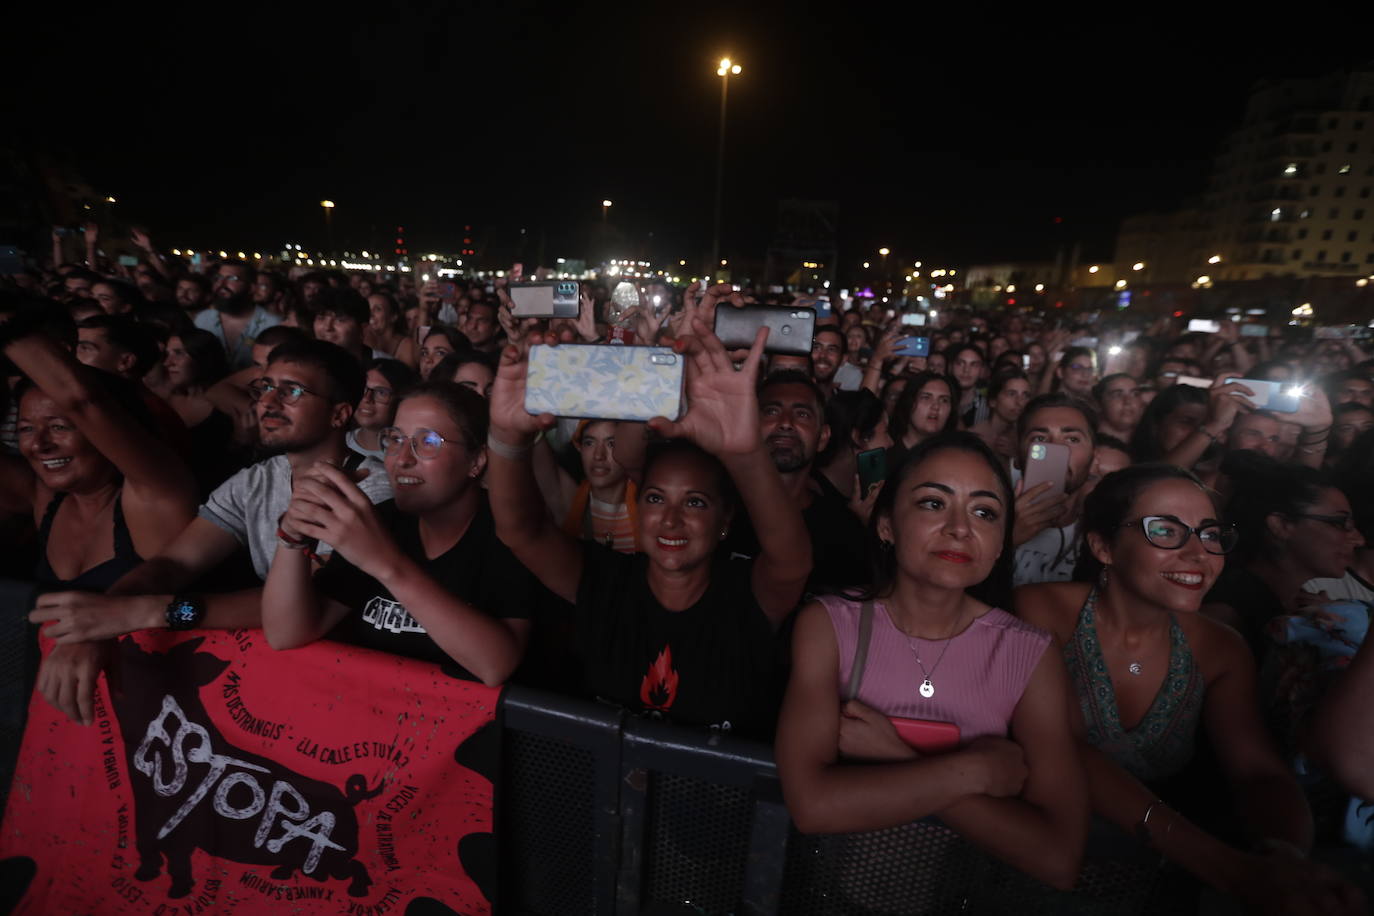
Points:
[(1150, 673), (675, 630), (104, 491), (423, 576)]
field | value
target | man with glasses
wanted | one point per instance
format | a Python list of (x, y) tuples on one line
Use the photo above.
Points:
[(233, 318), (303, 403)]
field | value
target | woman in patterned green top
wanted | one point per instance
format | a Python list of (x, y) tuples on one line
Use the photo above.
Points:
[(1149, 671)]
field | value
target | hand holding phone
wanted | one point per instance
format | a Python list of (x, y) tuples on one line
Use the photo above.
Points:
[(912, 346), (1047, 462)]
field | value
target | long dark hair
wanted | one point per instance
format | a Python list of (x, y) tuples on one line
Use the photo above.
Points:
[(1261, 487), (1110, 501), (995, 590), (900, 421)]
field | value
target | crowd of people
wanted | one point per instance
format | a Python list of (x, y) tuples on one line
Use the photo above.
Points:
[(1169, 639)]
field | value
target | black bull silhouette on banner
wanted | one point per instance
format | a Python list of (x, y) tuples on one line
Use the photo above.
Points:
[(370, 793), (193, 789)]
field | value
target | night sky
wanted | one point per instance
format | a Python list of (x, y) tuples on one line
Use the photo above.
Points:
[(949, 141)]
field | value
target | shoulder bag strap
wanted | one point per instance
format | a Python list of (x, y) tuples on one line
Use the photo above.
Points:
[(856, 669)]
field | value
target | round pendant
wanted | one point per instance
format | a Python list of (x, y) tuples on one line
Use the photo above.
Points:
[(927, 689), (1135, 668)]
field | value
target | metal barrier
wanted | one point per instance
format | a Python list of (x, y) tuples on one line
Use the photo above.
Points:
[(601, 813)]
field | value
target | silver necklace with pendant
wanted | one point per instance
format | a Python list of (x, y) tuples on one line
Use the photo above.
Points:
[(927, 688), (1135, 668)]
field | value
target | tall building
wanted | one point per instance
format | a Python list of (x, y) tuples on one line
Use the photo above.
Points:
[(1292, 188)]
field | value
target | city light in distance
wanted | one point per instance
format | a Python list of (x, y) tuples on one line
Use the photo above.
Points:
[(1120, 284), (865, 265), (1039, 287), (1114, 350), (884, 252), (111, 200), (1138, 265), (1094, 269), (727, 66), (327, 204), (1203, 280), (1214, 259), (1011, 287), (605, 203)]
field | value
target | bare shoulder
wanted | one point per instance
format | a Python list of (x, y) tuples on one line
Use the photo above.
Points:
[(1052, 606), (1217, 647)]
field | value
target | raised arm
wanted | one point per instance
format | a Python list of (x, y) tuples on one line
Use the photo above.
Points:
[(1224, 403), (152, 472), (723, 418), (522, 520)]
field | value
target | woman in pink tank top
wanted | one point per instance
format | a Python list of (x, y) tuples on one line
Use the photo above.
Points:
[(935, 648)]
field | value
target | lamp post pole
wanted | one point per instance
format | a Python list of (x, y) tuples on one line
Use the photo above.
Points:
[(724, 71)]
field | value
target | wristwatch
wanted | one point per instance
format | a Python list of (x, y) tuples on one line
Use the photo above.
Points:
[(185, 613)]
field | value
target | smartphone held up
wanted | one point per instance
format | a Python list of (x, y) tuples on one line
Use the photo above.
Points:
[(604, 383)]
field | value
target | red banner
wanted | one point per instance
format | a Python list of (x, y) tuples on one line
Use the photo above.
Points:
[(223, 777)]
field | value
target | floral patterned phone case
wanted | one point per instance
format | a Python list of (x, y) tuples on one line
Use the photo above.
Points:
[(604, 382)]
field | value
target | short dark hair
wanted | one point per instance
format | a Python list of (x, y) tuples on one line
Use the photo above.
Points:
[(343, 303), (1113, 442), (467, 408), (235, 262), (129, 336), (793, 377), (1053, 400), (279, 334), (341, 368), (833, 329)]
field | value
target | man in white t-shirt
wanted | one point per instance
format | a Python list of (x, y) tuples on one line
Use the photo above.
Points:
[(303, 403), (1046, 529)]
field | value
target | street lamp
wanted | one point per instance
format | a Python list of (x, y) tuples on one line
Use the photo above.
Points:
[(328, 206), (726, 69)]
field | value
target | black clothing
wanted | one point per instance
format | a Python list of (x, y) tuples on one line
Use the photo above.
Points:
[(479, 569), (99, 577), (1254, 603), (710, 664), (838, 558)]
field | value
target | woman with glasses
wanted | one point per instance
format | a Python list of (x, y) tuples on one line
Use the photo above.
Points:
[(1296, 524), (1150, 674), (422, 576), (388, 380), (1077, 372)]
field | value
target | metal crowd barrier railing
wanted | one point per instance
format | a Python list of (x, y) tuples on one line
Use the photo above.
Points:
[(602, 813)]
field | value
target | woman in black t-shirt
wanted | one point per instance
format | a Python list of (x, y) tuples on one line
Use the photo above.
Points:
[(425, 577), (670, 630)]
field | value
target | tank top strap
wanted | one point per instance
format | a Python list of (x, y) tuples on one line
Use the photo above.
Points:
[(123, 539), (49, 514)]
